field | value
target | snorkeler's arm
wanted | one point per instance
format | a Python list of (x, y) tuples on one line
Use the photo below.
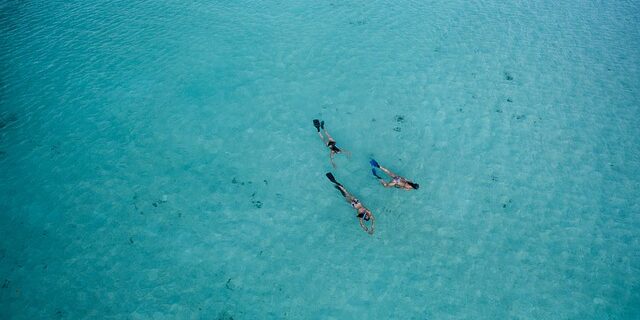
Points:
[(373, 224), (331, 155), (362, 225)]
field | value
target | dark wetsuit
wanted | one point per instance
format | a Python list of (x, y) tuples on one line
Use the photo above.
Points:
[(332, 146)]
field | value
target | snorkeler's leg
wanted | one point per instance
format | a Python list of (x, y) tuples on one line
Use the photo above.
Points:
[(348, 197), (326, 132), (338, 186), (388, 172), (322, 137), (343, 192), (387, 184)]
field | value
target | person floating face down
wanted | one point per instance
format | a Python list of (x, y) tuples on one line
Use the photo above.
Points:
[(396, 180), (362, 212), (329, 142)]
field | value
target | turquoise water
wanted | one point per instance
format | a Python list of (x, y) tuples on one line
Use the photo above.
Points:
[(158, 161)]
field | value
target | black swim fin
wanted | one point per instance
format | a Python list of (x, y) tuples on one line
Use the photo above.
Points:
[(322, 124), (332, 178), (316, 123)]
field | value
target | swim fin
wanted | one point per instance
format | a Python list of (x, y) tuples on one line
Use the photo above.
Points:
[(316, 123), (322, 124), (375, 174), (332, 178), (374, 163)]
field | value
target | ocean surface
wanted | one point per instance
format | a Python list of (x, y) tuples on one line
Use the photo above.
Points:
[(158, 159)]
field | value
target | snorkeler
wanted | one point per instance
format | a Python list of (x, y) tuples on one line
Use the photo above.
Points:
[(330, 142), (363, 213), (396, 180)]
